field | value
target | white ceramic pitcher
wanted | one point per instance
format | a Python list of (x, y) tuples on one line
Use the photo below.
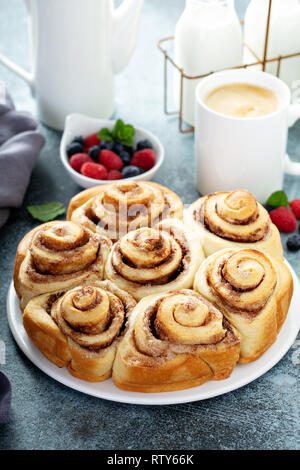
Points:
[(76, 48)]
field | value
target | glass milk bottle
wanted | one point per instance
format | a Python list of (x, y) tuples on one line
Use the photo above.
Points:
[(208, 38), (284, 35)]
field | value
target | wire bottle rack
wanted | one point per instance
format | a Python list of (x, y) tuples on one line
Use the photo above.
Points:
[(183, 76)]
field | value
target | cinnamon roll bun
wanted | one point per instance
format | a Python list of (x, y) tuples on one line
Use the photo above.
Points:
[(253, 290), (81, 328), (175, 341), (117, 208), (234, 220), (57, 256), (149, 261)]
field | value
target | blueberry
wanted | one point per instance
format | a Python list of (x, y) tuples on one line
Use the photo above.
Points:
[(269, 208), (125, 157), (118, 148), (144, 144), (106, 145), (293, 243), (94, 152), (130, 150), (79, 139), (73, 148), (131, 170)]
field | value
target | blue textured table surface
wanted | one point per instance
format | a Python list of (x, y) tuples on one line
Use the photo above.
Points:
[(48, 415)]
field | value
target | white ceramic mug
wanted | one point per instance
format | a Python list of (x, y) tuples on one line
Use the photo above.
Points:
[(248, 153)]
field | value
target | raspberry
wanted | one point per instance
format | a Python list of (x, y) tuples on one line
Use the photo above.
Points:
[(143, 159), (114, 175), (295, 206), (110, 160), (77, 160), (284, 219), (94, 170), (91, 140)]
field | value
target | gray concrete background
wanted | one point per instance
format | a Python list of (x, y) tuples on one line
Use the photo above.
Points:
[(48, 415)]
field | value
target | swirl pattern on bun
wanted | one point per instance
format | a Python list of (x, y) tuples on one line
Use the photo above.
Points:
[(253, 290), (234, 219), (116, 209), (176, 340), (81, 328), (148, 261), (56, 256)]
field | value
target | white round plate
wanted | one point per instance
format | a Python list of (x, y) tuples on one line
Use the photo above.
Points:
[(242, 374)]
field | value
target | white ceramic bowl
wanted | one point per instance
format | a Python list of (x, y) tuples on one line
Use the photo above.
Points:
[(79, 124)]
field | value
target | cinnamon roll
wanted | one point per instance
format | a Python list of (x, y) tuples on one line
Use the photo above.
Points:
[(148, 261), (81, 328), (117, 208), (57, 256), (253, 290), (234, 220), (175, 341)]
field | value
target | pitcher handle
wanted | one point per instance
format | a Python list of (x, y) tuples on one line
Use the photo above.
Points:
[(8, 63), (290, 167)]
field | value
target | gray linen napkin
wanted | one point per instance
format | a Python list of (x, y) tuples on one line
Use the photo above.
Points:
[(20, 145), (5, 398)]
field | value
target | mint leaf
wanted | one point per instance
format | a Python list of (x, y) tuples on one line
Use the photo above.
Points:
[(118, 129), (277, 199), (121, 132), (105, 135), (129, 130), (46, 212), (128, 142)]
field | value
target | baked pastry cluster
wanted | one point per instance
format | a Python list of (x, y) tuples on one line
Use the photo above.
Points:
[(127, 288)]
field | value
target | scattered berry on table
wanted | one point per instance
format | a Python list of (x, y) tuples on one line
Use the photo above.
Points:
[(118, 148), (295, 206), (114, 175), (143, 159), (106, 145), (73, 148), (144, 144), (91, 140), (94, 170), (110, 160), (131, 170), (78, 159), (284, 219), (125, 157), (79, 139), (94, 152), (293, 243)]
